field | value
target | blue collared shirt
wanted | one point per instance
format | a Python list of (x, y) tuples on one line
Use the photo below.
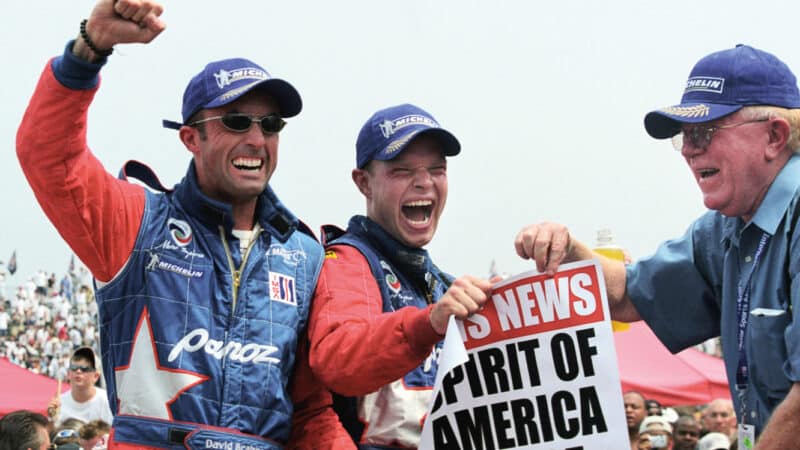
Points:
[(687, 292)]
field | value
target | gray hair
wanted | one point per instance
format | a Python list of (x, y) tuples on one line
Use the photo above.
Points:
[(792, 116)]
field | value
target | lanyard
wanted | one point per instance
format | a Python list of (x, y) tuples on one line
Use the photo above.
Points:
[(742, 314)]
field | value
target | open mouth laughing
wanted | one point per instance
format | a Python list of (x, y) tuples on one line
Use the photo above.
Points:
[(705, 173), (418, 212), (243, 163)]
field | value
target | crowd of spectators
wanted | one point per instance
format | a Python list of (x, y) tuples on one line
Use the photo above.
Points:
[(701, 427), (44, 318)]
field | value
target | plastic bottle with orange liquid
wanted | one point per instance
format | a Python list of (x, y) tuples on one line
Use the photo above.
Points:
[(606, 245), (608, 248)]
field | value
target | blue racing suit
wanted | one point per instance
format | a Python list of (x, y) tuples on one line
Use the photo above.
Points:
[(197, 331), (203, 345)]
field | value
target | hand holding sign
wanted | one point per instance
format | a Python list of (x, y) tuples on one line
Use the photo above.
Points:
[(547, 243), (465, 297)]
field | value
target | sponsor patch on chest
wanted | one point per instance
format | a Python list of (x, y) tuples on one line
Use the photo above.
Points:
[(282, 288), (392, 282), (290, 256)]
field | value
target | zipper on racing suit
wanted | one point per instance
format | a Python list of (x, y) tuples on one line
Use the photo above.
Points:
[(236, 274)]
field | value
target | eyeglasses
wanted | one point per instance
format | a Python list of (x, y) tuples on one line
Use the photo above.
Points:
[(240, 123), (84, 369), (699, 136)]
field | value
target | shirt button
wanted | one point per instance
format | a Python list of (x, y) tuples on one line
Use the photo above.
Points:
[(748, 258)]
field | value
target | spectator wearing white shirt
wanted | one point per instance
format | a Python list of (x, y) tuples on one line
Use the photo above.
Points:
[(76, 337), (84, 400), (4, 319)]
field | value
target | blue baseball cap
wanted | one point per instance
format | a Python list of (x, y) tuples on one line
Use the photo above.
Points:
[(387, 133), (222, 82), (724, 82)]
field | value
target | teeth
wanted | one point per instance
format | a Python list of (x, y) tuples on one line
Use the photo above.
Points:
[(247, 162), (419, 203), (707, 172), (421, 206)]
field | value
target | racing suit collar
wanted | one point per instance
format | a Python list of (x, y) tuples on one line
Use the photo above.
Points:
[(271, 214), (413, 262)]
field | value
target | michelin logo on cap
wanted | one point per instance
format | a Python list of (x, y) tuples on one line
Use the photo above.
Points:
[(390, 127), (707, 84), (226, 77)]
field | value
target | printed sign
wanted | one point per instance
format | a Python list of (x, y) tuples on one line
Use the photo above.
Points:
[(535, 369)]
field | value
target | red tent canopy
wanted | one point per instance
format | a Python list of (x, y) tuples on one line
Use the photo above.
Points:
[(690, 377), (23, 389)]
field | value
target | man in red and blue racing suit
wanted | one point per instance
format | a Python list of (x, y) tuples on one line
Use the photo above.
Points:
[(381, 306), (204, 290)]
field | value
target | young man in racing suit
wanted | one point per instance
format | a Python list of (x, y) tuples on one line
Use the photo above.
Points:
[(381, 305), (204, 290)]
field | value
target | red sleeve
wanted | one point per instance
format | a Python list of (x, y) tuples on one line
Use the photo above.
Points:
[(315, 426), (356, 347), (96, 214)]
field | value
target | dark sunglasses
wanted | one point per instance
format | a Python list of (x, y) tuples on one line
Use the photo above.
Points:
[(83, 369), (240, 123)]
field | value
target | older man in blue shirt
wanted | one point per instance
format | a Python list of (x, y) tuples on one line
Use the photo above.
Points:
[(733, 273)]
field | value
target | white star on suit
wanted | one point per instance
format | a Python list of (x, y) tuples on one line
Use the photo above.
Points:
[(144, 388)]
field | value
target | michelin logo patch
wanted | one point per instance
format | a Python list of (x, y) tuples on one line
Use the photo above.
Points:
[(189, 273), (155, 262), (226, 77), (705, 84), (390, 127), (282, 288)]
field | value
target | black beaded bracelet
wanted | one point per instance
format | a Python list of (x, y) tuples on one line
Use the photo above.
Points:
[(90, 44)]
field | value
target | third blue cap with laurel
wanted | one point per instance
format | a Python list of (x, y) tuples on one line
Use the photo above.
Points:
[(389, 131), (724, 82)]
